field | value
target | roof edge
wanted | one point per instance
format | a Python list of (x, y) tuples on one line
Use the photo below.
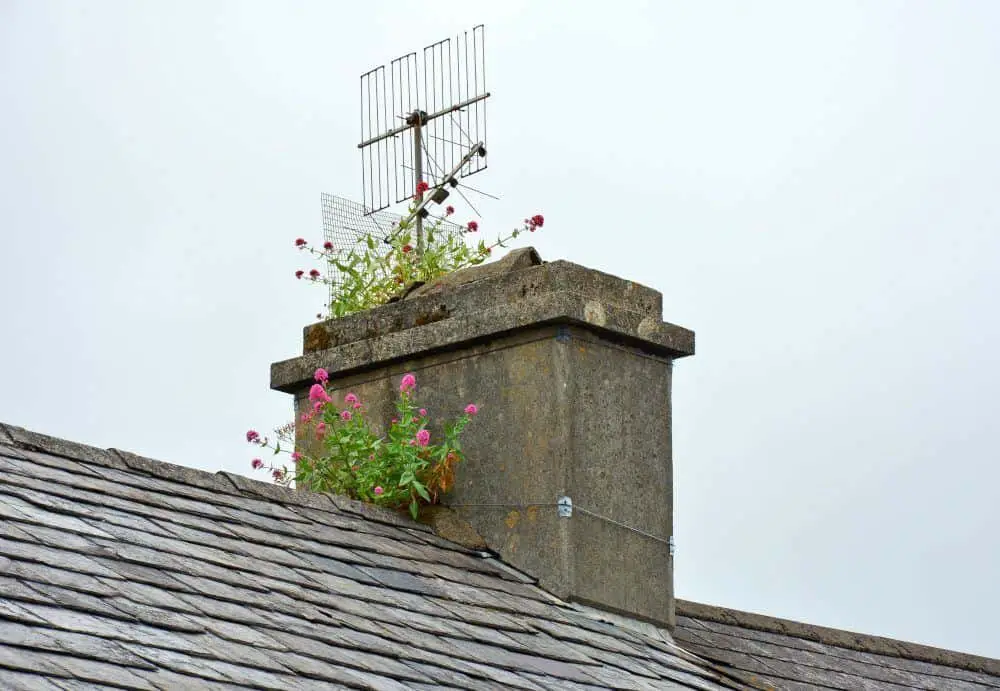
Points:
[(220, 481), (878, 645)]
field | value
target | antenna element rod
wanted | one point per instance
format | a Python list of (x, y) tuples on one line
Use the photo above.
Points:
[(427, 118)]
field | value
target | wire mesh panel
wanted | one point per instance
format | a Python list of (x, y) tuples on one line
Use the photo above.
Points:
[(347, 223)]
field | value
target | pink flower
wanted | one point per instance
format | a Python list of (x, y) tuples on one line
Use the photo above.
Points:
[(351, 398), (471, 409), (320, 430), (314, 274), (423, 412), (300, 242), (296, 456), (422, 187), (408, 382), (256, 464), (407, 249), (321, 375), (423, 437), (394, 420), (378, 491), (357, 405), (299, 273), (318, 393), (473, 226), (252, 436), (306, 417), (345, 415), (328, 245), (449, 210), (278, 475), (537, 221), (317, 405)]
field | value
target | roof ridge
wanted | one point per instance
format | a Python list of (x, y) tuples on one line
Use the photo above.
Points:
[(220, 481), (862, 642)]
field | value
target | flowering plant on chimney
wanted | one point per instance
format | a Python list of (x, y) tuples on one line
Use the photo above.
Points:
[(406, 467), (372, 272)]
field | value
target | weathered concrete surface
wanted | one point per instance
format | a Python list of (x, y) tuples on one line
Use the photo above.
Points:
[(571, 369)]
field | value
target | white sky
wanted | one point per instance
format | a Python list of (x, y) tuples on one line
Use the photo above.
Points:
[(812, 186)]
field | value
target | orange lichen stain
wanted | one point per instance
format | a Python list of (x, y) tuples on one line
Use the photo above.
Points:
[(318, 338), (512, 519), (532, 513), (512, 541), (582, 349), (501, 468)]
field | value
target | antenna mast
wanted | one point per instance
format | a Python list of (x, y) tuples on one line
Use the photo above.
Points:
[(451, 137)]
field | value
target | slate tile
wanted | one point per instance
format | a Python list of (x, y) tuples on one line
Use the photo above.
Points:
[(61, 539), (14, 612), (126, 520), (25, 660), (387, 614), (145, 594), (222, 609), (115, 570), (556, 684), (443, 676), (484, 616), (240, 633), (334, 651), (185, 482), (77, 644), (332, 567), (401, 580), (521, 662), (72, 599), (584, 636), (26, 681), (547, 646), (81, 622), (619, 679), (240, 653), (40, 573), (51, 502), (155, 616), (178, 662), (170, 681)]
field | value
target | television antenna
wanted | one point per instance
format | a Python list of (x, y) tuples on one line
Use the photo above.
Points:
[(404, 127)]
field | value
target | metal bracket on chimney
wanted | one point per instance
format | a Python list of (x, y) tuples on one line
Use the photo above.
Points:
[(565, 507)]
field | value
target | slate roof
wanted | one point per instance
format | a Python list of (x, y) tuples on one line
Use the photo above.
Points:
[(118, 571), (124, 572), (792, 655)]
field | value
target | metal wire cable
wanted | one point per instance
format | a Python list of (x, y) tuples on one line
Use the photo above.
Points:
[(576, 507)]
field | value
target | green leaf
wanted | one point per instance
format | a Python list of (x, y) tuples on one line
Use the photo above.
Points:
[(414, 509), (421, 490)]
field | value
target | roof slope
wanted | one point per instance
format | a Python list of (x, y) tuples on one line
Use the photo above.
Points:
[(119, 571), (791, 655)]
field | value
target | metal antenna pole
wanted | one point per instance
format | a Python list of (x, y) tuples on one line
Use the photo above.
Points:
[(418, 173)]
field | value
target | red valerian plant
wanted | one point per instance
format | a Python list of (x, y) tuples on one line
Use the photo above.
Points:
[(370, 273), (406, 467)]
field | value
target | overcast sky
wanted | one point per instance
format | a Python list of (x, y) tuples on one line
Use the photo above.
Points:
[(813, 187)]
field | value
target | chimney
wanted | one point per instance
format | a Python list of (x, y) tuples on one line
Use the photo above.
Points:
[(571, 370)]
